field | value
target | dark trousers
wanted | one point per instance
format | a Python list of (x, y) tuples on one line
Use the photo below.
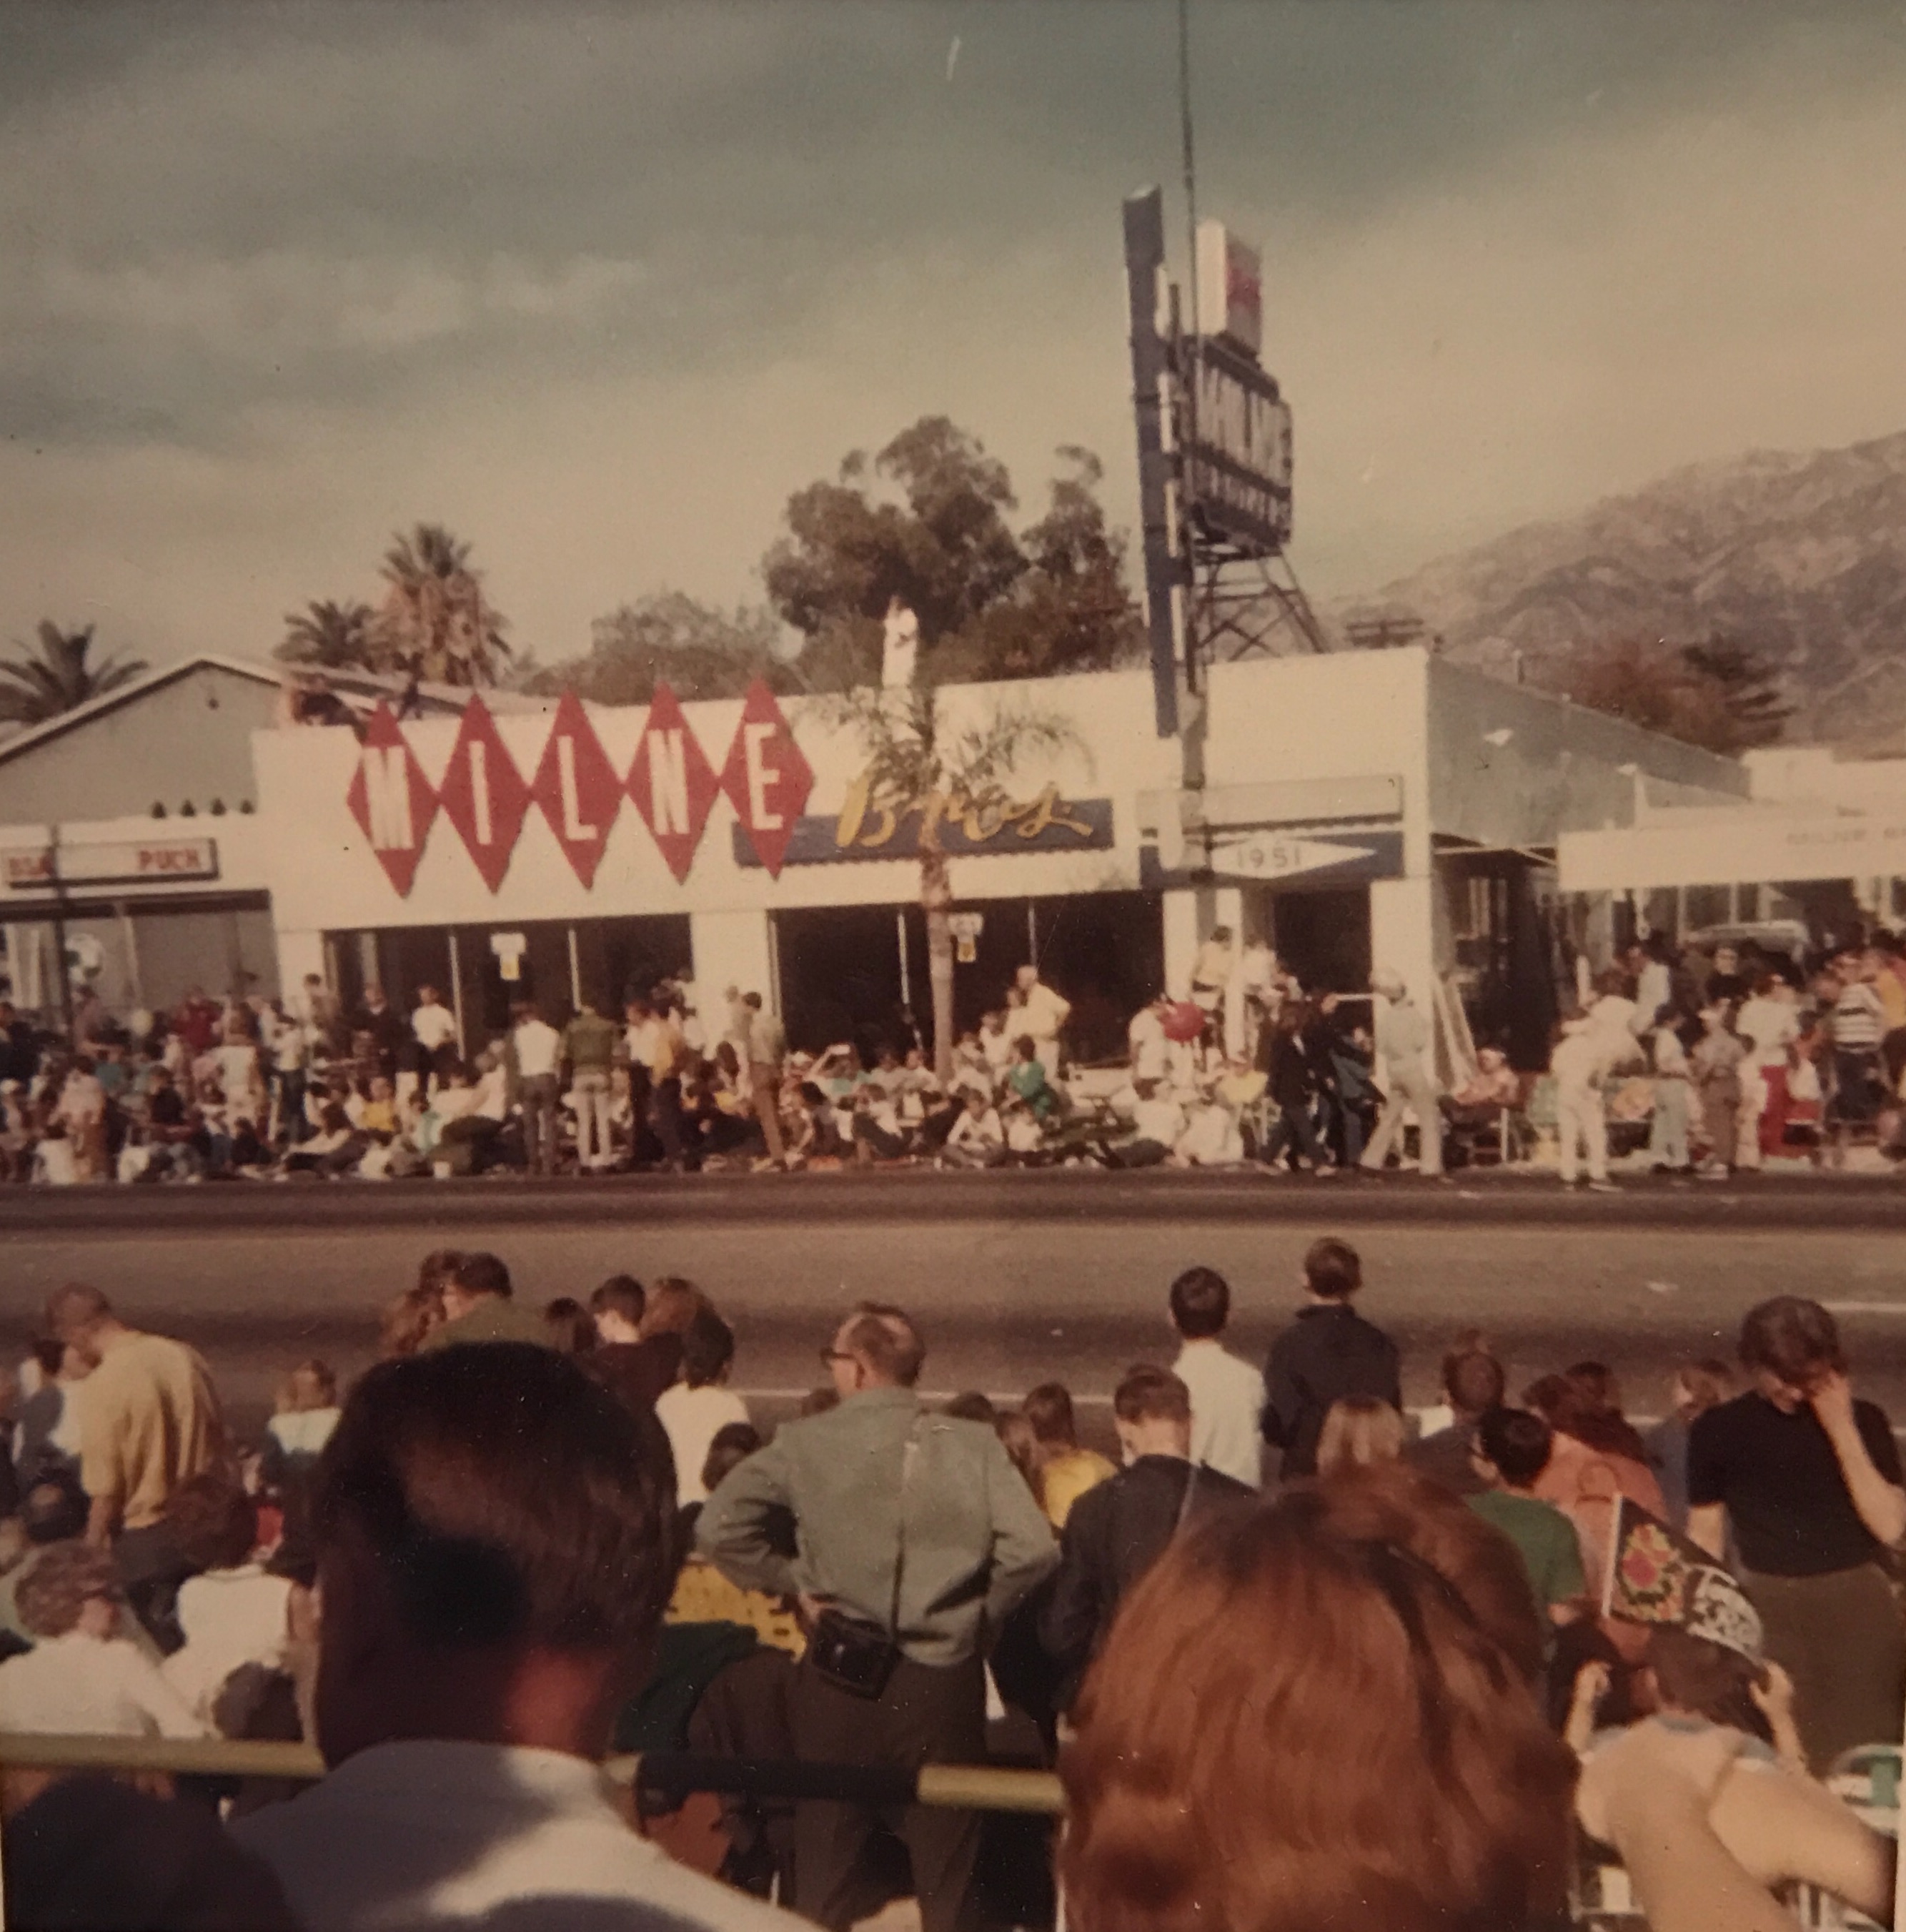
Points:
[(667, 1111), (1292, 1129), (928, 1715), (542, 1094), (1839, 1637), (151, 1569)]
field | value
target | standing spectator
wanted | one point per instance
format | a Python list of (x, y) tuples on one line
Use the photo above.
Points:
[(916, 1537), (83, 1677), (464, 1732), (1715, 1064), (1211, 973), (1120, 1528), (1228, 1393), (314, 1007), (290, 1048), (1473, 1384), (1327, 1352), (657, 1033), (1857, 1027), (536, 1048), (1512, 1449), (569, 1327), (1578, 1063), (1807, 1480), (480, 1305), (20, 1059), (1147, 1042), (1668, 1130), (433, 1027), (199, 1021), (388, 1033), (1770, 1025), (765, 1044), (589, 1046), (1404, 1041), (150, 1421), (695, 1410), (1061, 1471), (1042, 1019), (81, 1110), (1697, 1387)]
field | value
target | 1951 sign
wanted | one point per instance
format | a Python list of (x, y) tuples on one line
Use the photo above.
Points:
[(145, 862)]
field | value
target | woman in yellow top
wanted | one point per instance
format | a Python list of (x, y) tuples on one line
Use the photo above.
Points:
[(1061, 1471)]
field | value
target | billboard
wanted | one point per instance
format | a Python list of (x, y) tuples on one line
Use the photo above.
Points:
[(1237, 456), (1151, 385), (1230, 288)]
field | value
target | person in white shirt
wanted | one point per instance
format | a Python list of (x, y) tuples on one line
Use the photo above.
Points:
[(1227, 1393), (699, 1405), (900, 646), (1579, 1066), (435, 1027), (82, 1678), (1770, 1023), (978, 1137), (1149, 1044), (233, 1612), (1157, 1123), (1041, 1020), (495, 1536), (996, 1045), (538, 1049)]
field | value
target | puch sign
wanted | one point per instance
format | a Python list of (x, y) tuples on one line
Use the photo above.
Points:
[(135, 863), (870, 826)]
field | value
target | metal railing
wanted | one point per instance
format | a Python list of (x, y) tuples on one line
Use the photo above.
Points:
[(973, 1787)]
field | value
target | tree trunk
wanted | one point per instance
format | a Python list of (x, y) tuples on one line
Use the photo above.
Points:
[(936, 903)]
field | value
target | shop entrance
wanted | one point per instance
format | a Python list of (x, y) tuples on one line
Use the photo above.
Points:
[(1323, 936)]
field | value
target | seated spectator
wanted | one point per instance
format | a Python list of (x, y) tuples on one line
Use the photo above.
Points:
[(1473, 1384), (1395, 1771), (1697, 1387), (1481, 1100), (878, 1134), (1157, 1125), (232, 1611), (977, 1138), (308, 1412), (1359, 1431), (1026, 1077), (45, 1441), (638, 1371), (496, 1539), (696, 1408), (1596, 1458), (479, 1305), (1026, 1134), (1062, 1472), (1512, 1450), (1119, 1529), (83, 1676), (702, 1595)]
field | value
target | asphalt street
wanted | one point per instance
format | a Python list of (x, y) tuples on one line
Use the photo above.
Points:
[(1015, 1279)]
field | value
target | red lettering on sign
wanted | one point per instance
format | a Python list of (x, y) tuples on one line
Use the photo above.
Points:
[(672, 782), (767, 779), (483, 793), (391, 800), (576, 786)]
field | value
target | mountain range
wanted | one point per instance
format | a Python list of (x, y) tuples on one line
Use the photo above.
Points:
[(1800, 557)]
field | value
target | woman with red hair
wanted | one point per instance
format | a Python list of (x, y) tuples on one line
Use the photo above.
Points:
[(1322, 1713)]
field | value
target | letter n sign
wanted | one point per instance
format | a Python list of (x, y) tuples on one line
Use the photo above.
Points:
[(672, 782), (766, 778), (576, 786), (391, 800)]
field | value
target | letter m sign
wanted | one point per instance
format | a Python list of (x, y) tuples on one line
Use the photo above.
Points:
[(391, 800)]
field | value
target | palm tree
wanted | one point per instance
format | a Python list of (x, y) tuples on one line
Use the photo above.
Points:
[(435, 620), (916, 761), (331, 637), (33, 688)]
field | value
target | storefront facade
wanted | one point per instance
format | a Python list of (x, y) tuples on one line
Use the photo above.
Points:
[(1361, 808)]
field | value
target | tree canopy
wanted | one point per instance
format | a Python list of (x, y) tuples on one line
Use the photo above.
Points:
[(330, 636), (696, 650), (928, 520), (1720, 695), (55, 676)]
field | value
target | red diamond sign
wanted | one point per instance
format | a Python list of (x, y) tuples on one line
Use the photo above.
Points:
[(391, 800), (766, 778), (576, 786), (483, 793), (672, 782)]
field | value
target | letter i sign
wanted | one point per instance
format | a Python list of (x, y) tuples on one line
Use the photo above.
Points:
[(576, 786), (767, 780)]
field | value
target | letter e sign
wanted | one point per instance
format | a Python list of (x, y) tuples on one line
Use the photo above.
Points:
[(767, 779)]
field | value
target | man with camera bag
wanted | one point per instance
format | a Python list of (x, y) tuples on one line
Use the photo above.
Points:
[(915, 1536)]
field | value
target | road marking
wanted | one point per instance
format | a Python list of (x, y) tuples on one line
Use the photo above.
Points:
[(1864, 1307)]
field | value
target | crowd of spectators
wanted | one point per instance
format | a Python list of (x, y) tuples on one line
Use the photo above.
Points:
[(531, 1535), (1692, 1062)]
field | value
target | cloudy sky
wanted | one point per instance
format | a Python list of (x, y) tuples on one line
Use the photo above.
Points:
[(599, 286)]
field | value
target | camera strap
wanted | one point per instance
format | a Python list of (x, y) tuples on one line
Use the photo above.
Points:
[(909, 1456)]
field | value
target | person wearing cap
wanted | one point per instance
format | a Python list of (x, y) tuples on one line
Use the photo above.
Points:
[(1406, 1042)]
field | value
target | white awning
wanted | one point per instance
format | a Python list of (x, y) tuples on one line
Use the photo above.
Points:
[(1753, 846)]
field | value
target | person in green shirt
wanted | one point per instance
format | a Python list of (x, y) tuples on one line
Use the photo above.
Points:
[(1027, 1078), (479, 1305), (589, 1045), (1512, 1449)]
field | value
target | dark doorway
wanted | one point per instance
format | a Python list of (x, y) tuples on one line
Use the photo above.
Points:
[(1323, 938), (840, 975)]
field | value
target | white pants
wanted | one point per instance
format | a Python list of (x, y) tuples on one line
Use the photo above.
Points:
[(589, 1094), (1411, 1087), (1582, 1121)]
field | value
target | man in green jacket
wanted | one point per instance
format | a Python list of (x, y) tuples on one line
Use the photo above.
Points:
[(916, 1525), (589, 1045)]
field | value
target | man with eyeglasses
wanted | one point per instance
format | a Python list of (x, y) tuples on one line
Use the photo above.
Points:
[(916, 1537)]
